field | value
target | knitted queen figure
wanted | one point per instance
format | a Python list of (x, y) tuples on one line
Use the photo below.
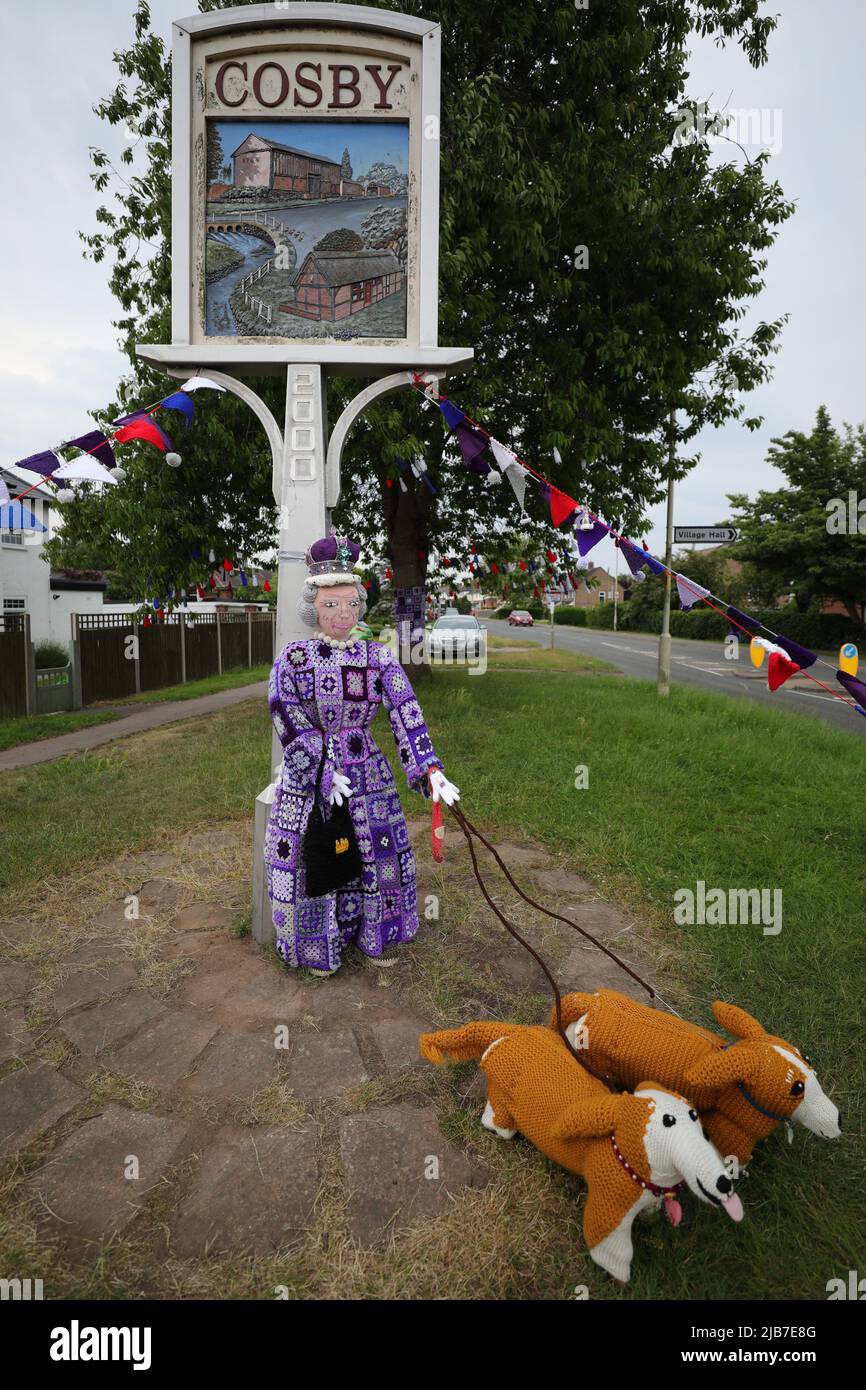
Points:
[(324, 691)]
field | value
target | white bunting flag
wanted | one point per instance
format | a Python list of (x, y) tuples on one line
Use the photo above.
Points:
[(84, 467), (689, 591), (196, 382), (513, 470)]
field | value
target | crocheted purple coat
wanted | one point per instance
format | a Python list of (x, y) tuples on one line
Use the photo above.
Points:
[(319, 690)]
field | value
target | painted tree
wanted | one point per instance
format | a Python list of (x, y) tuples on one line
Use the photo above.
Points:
[(346, 165), (810, 536), (340, 239), (599, 265), (386, 228), (215, 152)]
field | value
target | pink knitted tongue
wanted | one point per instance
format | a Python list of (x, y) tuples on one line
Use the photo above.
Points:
[(734, 1207)]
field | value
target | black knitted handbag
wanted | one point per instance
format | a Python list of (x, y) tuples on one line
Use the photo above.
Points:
[(330, 852)]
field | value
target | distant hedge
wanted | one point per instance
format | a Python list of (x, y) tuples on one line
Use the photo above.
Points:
[(822, 631), (570, 617)]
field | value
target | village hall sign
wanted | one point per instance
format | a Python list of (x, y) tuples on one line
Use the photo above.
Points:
[(305, 242)]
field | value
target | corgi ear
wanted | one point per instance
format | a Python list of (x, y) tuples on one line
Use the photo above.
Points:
[(736, 1021), (587, 1119), (719, 1068)]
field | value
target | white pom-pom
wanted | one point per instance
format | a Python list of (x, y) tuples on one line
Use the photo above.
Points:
[(118, 474), (173, 460), (639, 577), (211, 557), (493, 477), (65, 494)]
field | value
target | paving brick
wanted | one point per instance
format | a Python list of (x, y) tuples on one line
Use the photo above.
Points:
[(386, 1155), (158, 895), (84, 1184), (203, 916), (95, 1030), (15, 1037), (165, 1051), (324, 1064), (31, 1100), (92, 984), (15, 980), (397, 1039), (253, 1192), (234, 1067)]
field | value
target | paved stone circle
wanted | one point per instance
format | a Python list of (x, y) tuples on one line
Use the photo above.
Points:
[(163, 1059)]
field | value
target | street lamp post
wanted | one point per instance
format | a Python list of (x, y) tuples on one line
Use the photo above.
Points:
[(664, 668)]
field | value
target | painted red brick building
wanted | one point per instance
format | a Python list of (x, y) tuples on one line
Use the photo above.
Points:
[(261, 163), (333, 285)]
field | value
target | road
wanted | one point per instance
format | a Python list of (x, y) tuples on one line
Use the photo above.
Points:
[(694, 663)]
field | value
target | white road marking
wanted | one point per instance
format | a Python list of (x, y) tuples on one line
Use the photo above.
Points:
[(633, 651), (704, 670)]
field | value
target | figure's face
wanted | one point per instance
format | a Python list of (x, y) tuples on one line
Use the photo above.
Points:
[(338, 607)]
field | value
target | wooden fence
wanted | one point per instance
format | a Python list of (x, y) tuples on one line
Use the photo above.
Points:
[(116, 657), (15, 654)]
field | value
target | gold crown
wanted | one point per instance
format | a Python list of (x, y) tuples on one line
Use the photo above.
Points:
[(340, 846)]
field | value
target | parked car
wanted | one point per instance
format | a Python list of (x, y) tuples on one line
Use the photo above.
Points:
[(456, 637), (520, 618)]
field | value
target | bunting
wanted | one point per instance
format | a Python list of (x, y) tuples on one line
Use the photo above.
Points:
[(787, 657)]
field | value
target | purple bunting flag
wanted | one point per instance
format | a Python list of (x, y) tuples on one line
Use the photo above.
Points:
[(44, 463), (801, 655), (96, 444), (853, 686), (451, 415), (472, 443), (740, 620), (587, 539), (634, 558)]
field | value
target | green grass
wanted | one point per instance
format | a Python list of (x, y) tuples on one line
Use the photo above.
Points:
[(34, 728), (209, 685), (698, 786)]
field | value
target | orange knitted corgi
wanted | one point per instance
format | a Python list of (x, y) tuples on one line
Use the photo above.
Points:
[(743, 1089), (633, 1150)]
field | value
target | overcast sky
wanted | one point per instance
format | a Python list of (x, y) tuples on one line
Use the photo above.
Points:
[(58, 349)]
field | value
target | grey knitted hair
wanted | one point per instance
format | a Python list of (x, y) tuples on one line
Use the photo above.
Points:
[(306, 603)]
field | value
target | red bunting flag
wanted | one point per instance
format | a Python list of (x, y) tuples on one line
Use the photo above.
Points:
[(561, 506), (522, 564), (143, 428), (779, 669), (267, 586)]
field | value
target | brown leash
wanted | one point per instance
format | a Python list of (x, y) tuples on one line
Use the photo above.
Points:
[(469, 830)]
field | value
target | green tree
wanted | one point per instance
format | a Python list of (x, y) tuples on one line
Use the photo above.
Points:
[(810, 536), (561, 130)]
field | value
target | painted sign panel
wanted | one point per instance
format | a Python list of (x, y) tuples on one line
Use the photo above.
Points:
[(306, 229), (312, 174)]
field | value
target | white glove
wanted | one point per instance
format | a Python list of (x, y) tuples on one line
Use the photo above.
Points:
[(441, 787), (340, 787)]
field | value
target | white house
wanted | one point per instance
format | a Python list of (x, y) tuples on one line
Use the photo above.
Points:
[(27, 584)]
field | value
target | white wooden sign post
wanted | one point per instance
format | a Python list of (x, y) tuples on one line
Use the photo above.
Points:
[(305, 241)]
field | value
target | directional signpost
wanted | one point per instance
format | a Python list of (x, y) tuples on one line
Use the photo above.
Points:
[(705, 535)]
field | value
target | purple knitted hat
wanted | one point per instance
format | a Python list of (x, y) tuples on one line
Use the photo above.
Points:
[(331, 560)]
